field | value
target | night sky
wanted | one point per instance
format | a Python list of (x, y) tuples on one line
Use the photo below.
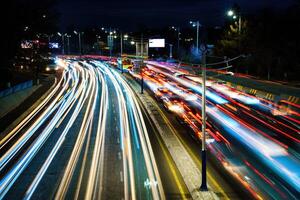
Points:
[(129, 14)]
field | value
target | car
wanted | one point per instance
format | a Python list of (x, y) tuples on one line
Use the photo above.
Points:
[(172, 104), (162, 91), (229, 73)]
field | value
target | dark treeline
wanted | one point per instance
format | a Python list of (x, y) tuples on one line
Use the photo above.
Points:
[(24, 19), (271, 41)]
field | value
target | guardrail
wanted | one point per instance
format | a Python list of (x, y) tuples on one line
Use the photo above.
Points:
[(16, 88)]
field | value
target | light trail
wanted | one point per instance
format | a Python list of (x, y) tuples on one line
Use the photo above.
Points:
[(228, 124), (81, 91)]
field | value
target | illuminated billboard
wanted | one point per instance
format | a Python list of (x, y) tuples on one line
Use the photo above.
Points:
[(53, 45), (156, 43)]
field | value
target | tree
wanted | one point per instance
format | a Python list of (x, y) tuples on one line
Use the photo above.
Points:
[(272, 40)]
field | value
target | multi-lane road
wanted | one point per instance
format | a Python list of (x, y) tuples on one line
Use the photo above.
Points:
[(86, 139), (252, 139), (91, 138)]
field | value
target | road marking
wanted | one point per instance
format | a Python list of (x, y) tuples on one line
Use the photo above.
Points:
[(182, 193), (118, 140), (196, 159), (173, 171), (119, 155), (121, 176)]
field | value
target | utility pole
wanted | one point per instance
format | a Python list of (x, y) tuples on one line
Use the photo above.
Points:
[(203, 186)]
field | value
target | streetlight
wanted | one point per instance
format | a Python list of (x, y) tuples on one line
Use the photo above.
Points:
[(234, 15), (63, 41), (178, 37), (196, 24), (203, 186), (98, 37), (68, 42), (230, 13), (79, 40), (171, 45)]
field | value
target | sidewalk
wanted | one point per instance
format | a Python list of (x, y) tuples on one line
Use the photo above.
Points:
[(185, 164)]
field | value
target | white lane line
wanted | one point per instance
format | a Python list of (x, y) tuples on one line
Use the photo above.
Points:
[(121, 176), (119, 155)]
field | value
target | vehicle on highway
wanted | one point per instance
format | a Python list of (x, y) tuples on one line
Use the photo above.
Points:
[(172, 104), (162, 92), (229, 73)]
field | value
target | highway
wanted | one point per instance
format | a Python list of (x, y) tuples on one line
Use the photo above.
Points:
[(89, 138), (250, 138)]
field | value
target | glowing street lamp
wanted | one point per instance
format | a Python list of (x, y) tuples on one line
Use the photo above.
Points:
[(196, 24), (234, 16), (79, 40), (230, 13)]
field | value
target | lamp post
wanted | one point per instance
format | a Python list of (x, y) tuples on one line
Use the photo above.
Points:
[(178, 38), (68, 43), (171, 56), (234, 15), (197, 25), (79, 40), (63, 42), (142, 64), (203, 186)]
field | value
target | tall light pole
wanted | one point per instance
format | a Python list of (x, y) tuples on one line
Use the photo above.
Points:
[(110, 42), (197, 25), (171, 45), (178, 37), (142, 63), (63, 42), (234, 15), (79, 41), (203, 186), (68, 43), (121, 51)]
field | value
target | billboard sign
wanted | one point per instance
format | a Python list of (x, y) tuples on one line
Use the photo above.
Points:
[(53, 45), (156, 43)]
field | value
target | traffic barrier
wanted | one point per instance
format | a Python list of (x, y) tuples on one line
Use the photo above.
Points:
[(16, 88), (293, 99)]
